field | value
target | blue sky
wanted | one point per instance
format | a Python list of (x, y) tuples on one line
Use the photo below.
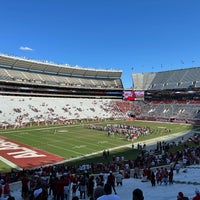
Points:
[(128, 35)]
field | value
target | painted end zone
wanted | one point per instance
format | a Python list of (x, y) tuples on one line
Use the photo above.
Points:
[(25, 156)]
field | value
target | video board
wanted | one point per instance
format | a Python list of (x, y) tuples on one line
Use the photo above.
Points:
[(132, 95)]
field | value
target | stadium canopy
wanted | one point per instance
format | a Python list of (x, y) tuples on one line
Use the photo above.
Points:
[(47, 67)]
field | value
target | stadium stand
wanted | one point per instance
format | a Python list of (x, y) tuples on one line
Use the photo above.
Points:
[(34, 92), (170, 95), (42, 93), (20, 111), (36, 78), (37, 93)]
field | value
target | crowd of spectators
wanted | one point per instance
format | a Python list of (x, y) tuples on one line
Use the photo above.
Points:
[(61, 180), (130, 132)]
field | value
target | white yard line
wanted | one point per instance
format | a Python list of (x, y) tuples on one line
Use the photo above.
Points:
[(10, 163)]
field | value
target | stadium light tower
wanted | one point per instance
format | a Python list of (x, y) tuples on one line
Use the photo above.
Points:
[(132, 69)]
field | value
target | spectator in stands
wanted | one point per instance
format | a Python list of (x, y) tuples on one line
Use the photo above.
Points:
[(98, 192), (177, 167), (119, 178), (75, 198), (54, 187), (181, 196), (1, 188), (108, 193), (153, 179), (171, 176), (111, 181), (197, 195), (100, 180), (74, 188), (25, 189), (60, 188), (6, 190), (66, 191), (51, 181), (138, 194), (90, 186), (37, 193), (11, 198), (83, 186)]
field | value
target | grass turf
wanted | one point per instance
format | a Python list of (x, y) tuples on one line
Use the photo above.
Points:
[(72, 141)]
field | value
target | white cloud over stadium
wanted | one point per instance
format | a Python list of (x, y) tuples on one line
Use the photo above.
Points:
[(25, 48)]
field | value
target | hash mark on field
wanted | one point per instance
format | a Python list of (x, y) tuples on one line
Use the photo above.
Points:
[(23, 133), (102, 142), (63, 131), (80, 146)]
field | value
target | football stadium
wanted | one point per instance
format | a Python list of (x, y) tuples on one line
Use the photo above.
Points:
[(70, 119)]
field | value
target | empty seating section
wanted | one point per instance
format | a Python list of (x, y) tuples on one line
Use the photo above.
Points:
[(162, 77), (197, 84), (176, 76), (142, 81), (75, 81), (4, 75), (110, 83), (175, 79), (117, 82), (148, 77), (170, 86), (138, 81), (167, 111), (48, 79), (32, 77), (87, 82), (157, 86), (95, 83), (17, 75), (185, 84), (192, 74), (21, 110)]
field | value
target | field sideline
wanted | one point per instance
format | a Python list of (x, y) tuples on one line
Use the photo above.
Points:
[(72, 141)]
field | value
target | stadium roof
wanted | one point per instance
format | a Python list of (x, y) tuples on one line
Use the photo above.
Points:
[(33, 65)]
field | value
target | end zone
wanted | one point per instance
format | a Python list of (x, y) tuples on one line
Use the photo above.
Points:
[(24, 156)]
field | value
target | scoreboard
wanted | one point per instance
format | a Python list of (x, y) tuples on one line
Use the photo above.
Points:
[(132, 95)]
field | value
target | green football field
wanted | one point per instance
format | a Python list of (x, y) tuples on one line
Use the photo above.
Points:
[(71, 141)]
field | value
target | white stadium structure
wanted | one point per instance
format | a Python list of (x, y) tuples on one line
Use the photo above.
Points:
[(36, 92)]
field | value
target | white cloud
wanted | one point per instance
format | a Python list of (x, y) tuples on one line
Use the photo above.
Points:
[(25, 48)]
